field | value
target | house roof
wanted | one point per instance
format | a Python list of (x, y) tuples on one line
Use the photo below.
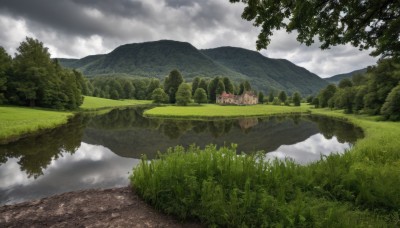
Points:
[(227, 95)]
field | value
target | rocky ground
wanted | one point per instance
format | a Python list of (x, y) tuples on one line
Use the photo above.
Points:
[(118, 207)]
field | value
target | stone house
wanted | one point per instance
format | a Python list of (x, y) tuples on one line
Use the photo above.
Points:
[(247, 98)]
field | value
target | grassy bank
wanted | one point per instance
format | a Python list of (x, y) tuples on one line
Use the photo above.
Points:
[(218, 111), (358, 189), (17, 122)]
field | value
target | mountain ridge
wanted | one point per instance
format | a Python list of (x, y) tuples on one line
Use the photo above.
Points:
[(158, 58), (335, 79)]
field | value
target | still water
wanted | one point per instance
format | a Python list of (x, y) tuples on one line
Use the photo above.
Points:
[(95, 151)]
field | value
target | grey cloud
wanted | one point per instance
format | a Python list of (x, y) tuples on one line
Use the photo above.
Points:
[(179, 3), (76, 28)]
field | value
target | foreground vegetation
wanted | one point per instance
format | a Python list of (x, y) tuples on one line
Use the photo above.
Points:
[(218, 111), (357, 189)]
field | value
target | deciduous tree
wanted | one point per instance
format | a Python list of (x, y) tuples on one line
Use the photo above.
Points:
[(364, 24), (184, 94), (200, 96)]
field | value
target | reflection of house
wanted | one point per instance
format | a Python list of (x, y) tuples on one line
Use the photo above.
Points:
[(247, 123), (247, 98)]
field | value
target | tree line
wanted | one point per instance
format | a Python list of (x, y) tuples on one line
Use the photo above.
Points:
[(175, 90), (32, 78), (375, 93)]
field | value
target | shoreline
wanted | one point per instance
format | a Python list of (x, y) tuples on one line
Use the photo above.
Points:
[(116, 207)]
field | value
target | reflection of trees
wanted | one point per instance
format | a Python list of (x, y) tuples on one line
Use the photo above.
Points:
[(344, 132), (199, 126), (123, 119), (35, 153)]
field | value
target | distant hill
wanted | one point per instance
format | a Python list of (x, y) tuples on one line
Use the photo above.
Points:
[(157, 59), (337, 78), (266, 72)]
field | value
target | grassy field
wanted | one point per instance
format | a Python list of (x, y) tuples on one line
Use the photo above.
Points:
[(95, 103), (357, 189), (218, 111), (17, 121)]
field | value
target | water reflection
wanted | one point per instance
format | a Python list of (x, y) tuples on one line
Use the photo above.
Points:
[(99, 151), (89, 167), (309, 150)]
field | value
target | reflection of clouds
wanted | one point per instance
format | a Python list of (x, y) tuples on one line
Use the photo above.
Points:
[(11, 174), (309, 150), (89, 167)]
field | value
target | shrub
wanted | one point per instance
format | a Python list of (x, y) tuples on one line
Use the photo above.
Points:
[(221, 188)]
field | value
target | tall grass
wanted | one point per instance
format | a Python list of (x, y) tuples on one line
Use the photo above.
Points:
[(220, 188)]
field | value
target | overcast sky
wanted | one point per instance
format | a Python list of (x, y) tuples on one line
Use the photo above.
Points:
[(77, 28)]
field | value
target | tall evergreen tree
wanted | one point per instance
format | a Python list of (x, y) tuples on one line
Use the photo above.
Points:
[(203, 84), (228, 85), (171, 84), (247, 86), (271, 96), (220, 88), (195, 84), (261, 97), (296, 99), (212, 87), (241, 88), (282, 96), (129, 89)]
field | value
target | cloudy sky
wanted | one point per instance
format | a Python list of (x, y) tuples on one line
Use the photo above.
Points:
[(77, 28)]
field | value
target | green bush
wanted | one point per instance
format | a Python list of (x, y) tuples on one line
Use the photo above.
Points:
[(221, 188)]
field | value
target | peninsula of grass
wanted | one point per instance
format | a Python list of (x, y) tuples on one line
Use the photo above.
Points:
[(359, 188), (218, 111), (15, 122), (96, 103)]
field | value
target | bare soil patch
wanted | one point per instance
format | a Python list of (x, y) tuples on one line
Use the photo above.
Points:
[(117, 207)]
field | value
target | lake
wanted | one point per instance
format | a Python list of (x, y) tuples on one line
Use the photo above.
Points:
[(99, 151)]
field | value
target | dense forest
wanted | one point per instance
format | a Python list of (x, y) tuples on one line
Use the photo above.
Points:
[(32, 78), (377, 92)]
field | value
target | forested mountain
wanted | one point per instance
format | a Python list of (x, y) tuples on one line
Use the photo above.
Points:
[(157, 59), (280, 74), (337, 78)]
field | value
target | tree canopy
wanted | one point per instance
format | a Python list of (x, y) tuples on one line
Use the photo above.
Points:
[(364, 24), (36, 80), (171, 84), (184, 94)]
